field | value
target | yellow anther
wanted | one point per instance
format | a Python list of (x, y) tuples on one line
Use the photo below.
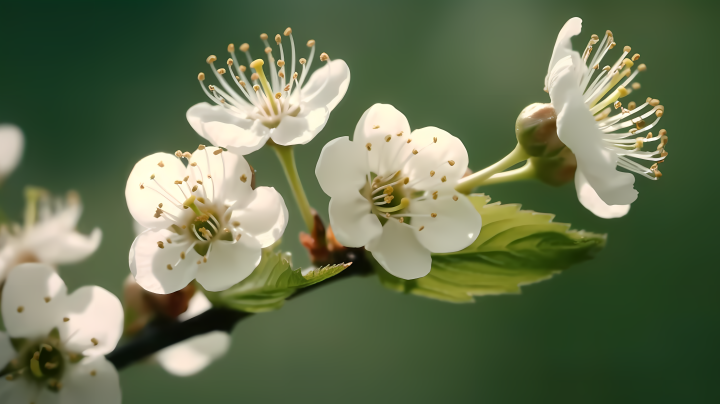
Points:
[(161, 164), (389, 190), (231, 47), (288, 31), (263, 36), (451, 162), (324, 57), (277, 96), (311, 43), (222, 70), (433, 215), (432, 173), (201, 76), (244, 47), (211, 87), (414, 151), (421, 228), (642, 68), (302, 61), (388, 138), (229, 62), (278, 39), (210, 59), (636, 57), (243, 178), (635, 86), (243, 68), (268, 50), (281, 63), (434, 140), (368, 146), (632, 105), (455, 198), (256, 87), (20, 309), (94, 341), (627, 49), (169, 267), (444, 178)]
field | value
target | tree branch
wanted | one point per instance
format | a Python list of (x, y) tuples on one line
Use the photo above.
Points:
[(164, 333)]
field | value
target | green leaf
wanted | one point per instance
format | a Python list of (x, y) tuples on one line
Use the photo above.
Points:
[(272, 282), (515, 248)]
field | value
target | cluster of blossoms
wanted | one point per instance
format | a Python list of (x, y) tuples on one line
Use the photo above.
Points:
[(203, 224)]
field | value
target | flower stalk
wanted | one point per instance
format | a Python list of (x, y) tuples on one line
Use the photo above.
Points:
[(526, 172), (467, 184), (286, 155)]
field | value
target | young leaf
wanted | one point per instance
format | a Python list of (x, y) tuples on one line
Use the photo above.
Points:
[(272, 282), (515, 248)]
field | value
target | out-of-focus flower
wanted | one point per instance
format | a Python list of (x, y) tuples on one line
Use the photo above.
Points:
[(393, 192), (194, 354), (49, 233), (282, 107), (600, 140), (53, 351), (205, 221), (12, 143)]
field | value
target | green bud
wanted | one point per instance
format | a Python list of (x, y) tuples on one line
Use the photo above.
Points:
[(536, 130), (555, 170)]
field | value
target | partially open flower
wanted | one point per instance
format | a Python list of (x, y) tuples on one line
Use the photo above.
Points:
[(393, 192), (584, 95), (56, 354), (251, 108), (49, 233), (205, 221), (12, 143)]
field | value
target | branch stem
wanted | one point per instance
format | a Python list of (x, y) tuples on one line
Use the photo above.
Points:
[(467, 184)]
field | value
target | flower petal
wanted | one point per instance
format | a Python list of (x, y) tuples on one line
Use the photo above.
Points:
[(93, 380), (563, 45), (13, 143), (197, 305), (455, 227), (592, 202), (143, 194), (264, 217), (148, 262), (229, 263), (352, 221), (71, 248), (377, 123), (95, 321), (316, 93), (7, 352), (194, 354), (399, 251), (226, 177), (579, 131), (435, 156), (30, 300), (302, 128), (212, 122), (20, 390), (342, 167)]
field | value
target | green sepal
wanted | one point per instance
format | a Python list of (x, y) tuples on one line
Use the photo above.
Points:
[(270, 284), (515, 248)]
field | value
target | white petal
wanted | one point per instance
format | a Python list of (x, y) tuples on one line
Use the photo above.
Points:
[(227, 170), (342, 167), (399, 251), (12, 143), (264, 217), (21, 390), (302, 128), (579, 131), (316, 93), (138, 228), (96, 315), (142, 203), (24, 310), (435, 156), (563, 45), (7, 352), (455, 227), (243, 136), (351, 219), (91, 381), (228, 263), (194, 354), (374, 126), (71, 248), (592, 202), (198, 304), (148, 262)]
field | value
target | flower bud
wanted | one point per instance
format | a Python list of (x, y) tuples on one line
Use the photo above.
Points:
[(555, 170), (142, 306), (536, 130)]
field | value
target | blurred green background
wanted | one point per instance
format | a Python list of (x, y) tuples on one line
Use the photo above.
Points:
[(96, 87)]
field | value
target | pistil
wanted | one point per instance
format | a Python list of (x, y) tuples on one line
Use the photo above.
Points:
[(257, 65)]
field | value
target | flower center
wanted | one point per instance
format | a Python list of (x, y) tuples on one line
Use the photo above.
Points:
[(388, 195), (260, 97), (41, 361), (607, 88)]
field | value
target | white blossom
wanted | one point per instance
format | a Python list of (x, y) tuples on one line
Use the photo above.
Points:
[(12, 143), (60, 340), (48, 235), (584, 95), (205, 221), (281, 107), (392, 191)]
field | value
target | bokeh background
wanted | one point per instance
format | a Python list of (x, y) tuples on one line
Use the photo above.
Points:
[(96, 87)]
